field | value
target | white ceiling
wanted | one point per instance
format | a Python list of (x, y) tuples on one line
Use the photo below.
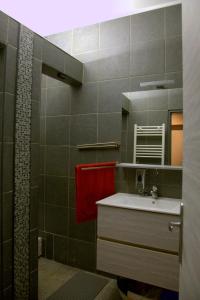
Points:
[(47, 16)]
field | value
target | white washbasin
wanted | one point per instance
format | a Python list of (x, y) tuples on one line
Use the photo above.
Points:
[(132, 201)]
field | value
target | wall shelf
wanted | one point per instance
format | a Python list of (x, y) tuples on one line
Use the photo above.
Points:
[(147, 166)]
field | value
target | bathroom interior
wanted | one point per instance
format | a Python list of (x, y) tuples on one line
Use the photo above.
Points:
[(103, 109)]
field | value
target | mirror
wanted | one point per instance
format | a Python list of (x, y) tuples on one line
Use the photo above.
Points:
[(152, 130)]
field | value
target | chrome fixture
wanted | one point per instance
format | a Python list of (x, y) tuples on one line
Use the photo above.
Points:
[(173, 224), (154, 192)]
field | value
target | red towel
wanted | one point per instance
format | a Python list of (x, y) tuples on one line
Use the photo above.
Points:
[(93, 185)]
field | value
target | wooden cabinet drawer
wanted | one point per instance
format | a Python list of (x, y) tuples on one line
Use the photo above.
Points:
[(138, 227), (157, 268)]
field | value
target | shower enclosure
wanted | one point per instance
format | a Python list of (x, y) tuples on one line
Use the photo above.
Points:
[(23, 57)]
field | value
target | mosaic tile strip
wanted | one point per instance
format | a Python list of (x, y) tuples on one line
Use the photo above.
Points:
[(22, 164)]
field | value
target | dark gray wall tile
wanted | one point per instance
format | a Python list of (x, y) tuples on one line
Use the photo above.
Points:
[(173, 19), (52, 82), (36, 84), (7, 216), (139, 117), (157, 117), (175, 99), (42, 182), (43, 101), (72, 187), (37, 46), (84, 99), (62, 40), (148, 57), (86, 39), (80, 157), (110, 95), (11, 64), (84, 231), (57, 130), (8, 293), (33, 250), (42, 131), (108, 155), (49, 245), (106, 64), (34, 285), (74, 69), (41, 213), (174, 54), (56, 219), (35, 164), (139, 101), (7, 263), (170, 177), (147, 26), (8, 167), (113, 63), (82, 254), (109, 129), (3, 26), (157, 100), (13, 32), (2, 67), (53, 56), (56, 160), (35, 122), (56, 191), (83, 129), (58, 101), (34, 206), (171, 191), (91, 65), (61, 249), (1, 114), (115, 33), (177, 77), (9, 115)]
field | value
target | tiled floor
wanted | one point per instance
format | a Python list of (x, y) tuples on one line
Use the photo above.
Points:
[(53, 275)]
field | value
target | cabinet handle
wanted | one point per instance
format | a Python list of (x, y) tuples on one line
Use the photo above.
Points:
[(173, 224), (178, 224)]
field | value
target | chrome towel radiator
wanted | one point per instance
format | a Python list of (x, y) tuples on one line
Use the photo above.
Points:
[(149, 150)]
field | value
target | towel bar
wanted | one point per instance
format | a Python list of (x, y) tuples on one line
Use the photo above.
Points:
[(108, 145), (100, 167)]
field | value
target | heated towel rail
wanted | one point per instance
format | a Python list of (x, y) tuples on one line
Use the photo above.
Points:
[(149, 150)]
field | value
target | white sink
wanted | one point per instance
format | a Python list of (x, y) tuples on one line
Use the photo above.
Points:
[(132, 201)]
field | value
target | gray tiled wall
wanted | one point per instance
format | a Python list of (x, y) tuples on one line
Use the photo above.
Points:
[(62, 127), (117, 56), (8, 60)]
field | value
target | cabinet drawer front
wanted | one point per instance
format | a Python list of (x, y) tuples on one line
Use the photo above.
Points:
[(138, 227), (157, 268)]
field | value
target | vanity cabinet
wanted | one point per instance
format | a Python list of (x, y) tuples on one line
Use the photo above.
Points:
[(138, 244)]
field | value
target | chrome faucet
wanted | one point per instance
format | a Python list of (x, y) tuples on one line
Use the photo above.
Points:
[(154, 192)]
